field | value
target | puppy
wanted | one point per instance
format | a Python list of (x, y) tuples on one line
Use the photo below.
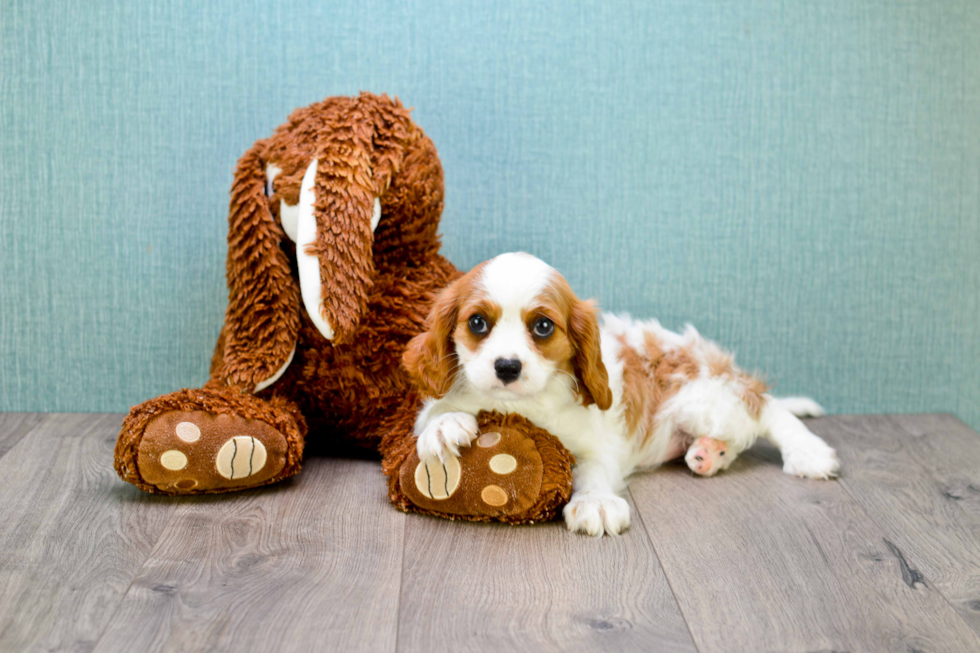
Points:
[(511, 336)]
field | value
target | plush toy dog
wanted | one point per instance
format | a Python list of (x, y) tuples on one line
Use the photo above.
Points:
[(333, 262)]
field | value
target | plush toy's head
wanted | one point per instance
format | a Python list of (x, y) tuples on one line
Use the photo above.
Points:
[(358, 188)]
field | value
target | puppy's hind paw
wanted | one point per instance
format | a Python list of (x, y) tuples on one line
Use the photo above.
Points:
[(595, 514), (708, 456), (445, 434), (819, 462)]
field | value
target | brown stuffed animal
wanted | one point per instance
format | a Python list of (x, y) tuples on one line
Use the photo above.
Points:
[(333, 261)]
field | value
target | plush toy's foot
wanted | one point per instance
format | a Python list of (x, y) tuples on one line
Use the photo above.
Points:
[(513, 472), (201, 441)]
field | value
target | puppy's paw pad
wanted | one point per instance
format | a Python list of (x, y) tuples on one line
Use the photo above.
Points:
[(708, 456), (595, 514), (445, 434), (818, 462)]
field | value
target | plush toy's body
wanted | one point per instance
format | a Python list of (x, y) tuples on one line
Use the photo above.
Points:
[(333, 262)]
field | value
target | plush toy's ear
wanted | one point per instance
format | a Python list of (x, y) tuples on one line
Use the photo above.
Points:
[(583, 330), (430, 358), (262, 319), (358, 151)]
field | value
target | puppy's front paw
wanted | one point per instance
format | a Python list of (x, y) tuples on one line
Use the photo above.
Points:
[(445, 434), (812, 462), (597, 513)]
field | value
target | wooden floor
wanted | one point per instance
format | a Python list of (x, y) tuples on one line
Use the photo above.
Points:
[(887, 558)]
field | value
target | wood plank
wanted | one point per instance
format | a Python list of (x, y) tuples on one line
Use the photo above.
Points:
[(311, 564), (490, 587), (918, 476), (14, 426), (73, 534), (760, 560)]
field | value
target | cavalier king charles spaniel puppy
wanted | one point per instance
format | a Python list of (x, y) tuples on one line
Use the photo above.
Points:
[(511, 336)]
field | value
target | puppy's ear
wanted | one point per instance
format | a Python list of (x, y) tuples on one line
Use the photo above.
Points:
[(583, 330), (430, 358)]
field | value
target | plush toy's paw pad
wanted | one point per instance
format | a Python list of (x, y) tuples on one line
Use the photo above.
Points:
[(819, 461), (708, 456), (438, 479), (500, 474), (597, 513), (194, 451)]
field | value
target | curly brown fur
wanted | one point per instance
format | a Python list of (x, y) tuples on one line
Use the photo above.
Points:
[(376, 288)]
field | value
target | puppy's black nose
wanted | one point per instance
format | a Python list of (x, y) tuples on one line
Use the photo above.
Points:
[(508, 369)]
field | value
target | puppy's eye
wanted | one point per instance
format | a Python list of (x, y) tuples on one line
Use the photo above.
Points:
[(544, 327), (478, 325)]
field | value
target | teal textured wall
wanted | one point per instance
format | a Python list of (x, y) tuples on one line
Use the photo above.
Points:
[(801, 180)]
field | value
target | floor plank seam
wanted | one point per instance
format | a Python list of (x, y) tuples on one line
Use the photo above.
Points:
[(401, 584), (902, 558), (670, 585), (25, 435), (132, 581)]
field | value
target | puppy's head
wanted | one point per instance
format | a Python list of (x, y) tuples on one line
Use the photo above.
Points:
[(508, 328)]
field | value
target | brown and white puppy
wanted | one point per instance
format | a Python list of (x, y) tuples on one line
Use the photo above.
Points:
[(511, 336)]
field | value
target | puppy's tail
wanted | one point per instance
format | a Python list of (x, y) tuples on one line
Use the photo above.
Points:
[(801, 406)]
